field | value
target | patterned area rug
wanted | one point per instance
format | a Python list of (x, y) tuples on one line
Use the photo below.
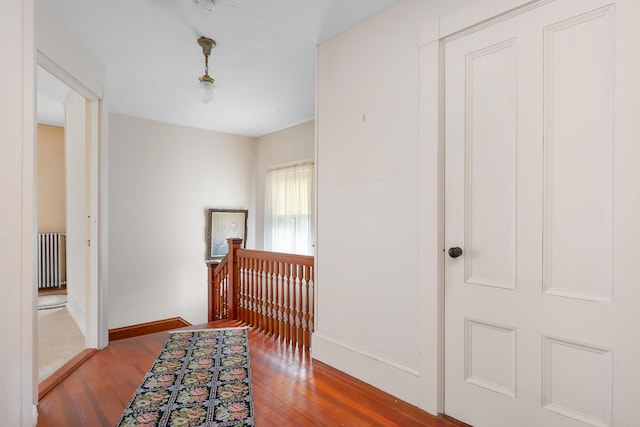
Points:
[(200, 379)]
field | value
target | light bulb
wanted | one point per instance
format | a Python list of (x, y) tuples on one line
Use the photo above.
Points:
[(206, 90)]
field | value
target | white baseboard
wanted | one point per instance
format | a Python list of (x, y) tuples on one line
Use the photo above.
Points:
[(394, 378)]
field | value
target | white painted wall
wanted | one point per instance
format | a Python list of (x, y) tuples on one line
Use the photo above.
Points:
[(76, 204), (369, 202), (162, 179), (290, 145), (17, 213)]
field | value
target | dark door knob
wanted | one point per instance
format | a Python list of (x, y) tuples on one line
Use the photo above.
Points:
[(455, 252)]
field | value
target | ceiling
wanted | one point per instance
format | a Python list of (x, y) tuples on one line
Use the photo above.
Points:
[(264, 62), (51, 95)]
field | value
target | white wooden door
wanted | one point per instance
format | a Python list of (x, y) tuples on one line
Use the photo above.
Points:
[(542, 179)]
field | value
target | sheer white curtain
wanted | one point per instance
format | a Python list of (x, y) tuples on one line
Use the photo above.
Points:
[(288, 209)]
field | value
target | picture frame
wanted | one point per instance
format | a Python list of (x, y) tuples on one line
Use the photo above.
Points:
[(221, 225)]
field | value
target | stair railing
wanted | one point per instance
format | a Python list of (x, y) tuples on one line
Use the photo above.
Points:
[(273, 292)]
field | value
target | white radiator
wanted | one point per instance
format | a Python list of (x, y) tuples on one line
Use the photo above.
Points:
[(51, 260)]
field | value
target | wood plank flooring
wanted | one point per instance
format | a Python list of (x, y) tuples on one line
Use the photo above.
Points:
[(289, 389)]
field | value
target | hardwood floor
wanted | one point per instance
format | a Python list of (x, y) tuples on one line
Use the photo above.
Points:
[(289, 389)]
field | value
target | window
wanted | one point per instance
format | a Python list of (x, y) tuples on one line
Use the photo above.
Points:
[(288, 221)]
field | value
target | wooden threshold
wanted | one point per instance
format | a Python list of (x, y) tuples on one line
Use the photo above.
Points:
[(147, 328), (65, 370)]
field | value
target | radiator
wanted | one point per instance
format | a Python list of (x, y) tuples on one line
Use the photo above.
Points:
[(51, 260)]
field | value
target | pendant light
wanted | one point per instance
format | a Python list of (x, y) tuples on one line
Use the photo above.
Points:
[(208, 5), (206, 85)]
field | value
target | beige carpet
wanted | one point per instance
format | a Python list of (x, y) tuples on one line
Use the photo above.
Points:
[(59, 340)]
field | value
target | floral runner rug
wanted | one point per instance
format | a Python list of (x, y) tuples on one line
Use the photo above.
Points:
[(199, 379)]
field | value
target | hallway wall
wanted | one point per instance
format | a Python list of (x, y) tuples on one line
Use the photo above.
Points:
[(369, 202), (162, 180), (17, 220)]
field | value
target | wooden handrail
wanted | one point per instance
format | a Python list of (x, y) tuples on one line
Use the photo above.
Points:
[(273, 292), (276, 256)]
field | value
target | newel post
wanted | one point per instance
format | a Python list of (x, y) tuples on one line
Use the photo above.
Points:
[(233, 292)]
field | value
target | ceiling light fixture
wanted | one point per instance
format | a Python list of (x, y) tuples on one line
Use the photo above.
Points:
[(208, 5), (207, 85)]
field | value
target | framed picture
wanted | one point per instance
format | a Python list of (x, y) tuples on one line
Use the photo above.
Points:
[(223, 224)]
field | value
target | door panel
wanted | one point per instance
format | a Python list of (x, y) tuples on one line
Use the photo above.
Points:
[(534, 332), (578, 247), (567, 365), (490, 216), (491, 363)]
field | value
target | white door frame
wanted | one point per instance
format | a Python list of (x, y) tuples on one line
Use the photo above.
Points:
[(431, 183), (95, 308)]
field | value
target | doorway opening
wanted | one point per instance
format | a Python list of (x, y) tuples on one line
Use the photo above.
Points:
[(64, 278)]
